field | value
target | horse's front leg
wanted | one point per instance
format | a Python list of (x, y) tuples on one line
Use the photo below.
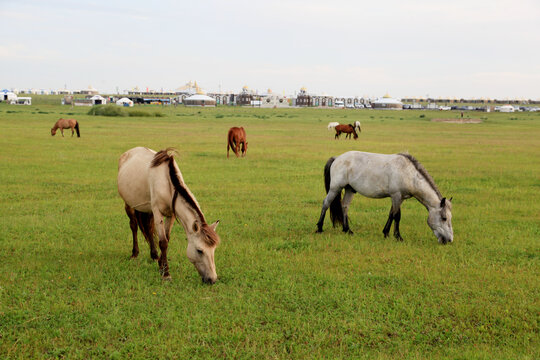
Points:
[(397, 218), (163, 244), (236, 148), (394, 215)]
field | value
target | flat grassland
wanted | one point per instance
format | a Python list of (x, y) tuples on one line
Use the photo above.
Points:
[(69, 290)]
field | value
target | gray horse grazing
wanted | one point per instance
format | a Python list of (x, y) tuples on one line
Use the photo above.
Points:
[(398, 176)]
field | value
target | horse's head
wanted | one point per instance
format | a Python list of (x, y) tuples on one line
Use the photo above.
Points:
[(53, 131), (202, 241), (440, 221)]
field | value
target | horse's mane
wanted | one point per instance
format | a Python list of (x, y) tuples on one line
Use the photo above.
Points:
[(420, 168), (210, 236)]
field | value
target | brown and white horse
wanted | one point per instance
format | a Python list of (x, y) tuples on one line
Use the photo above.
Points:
[(66, 124), (236, 138), (154, 193), (347, 129)]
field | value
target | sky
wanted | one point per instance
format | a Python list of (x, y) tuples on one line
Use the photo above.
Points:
[(459, 48)]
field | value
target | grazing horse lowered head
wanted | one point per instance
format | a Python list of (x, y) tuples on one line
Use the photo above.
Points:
[(347, 129), (398, 176), (236, 139), (155, 194), (66, 124)]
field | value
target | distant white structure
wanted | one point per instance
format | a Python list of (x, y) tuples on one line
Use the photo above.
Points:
[(273, 100), (89, 91), (507, 109), (22, 101), (387, 103), (7, 96), (200, 100), (98, 100), (124, 102)]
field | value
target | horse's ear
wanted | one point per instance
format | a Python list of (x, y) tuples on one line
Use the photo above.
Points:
[(443, 202), (451, 198), (214, 225)]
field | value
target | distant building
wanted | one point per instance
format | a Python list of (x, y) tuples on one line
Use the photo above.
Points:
[(245, 97), (89, 91), (303, 98), (387, 103)]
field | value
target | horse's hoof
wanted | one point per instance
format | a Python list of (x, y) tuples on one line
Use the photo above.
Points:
[(134, 256), (318, 231), (166, 277)]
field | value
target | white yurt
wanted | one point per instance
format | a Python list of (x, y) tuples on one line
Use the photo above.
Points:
[(98, 100), (507, 108), (199, 100), (387, 102), (124, 102)]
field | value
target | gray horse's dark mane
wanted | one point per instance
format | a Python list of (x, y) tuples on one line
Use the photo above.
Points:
[(422, 170)]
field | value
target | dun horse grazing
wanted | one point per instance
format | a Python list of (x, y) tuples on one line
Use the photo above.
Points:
[(236, 138), (66, 124), (154, 193), (398, 176), (347, 129)]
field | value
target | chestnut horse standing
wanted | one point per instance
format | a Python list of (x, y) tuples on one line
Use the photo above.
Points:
[(66, 124), (235, 138), (347, 129)]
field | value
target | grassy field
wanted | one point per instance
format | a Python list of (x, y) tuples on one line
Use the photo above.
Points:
[(69, 290)]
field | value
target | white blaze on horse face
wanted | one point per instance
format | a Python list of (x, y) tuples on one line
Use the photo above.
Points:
[(440, 221)]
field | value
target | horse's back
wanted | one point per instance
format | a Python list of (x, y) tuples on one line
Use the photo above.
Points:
[(133, 169), (370, 174), (237, 133)]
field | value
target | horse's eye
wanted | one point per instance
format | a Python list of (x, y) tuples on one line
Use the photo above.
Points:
[(199, 251), (443, 218)]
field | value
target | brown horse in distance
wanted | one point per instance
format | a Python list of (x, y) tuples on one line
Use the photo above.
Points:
[(66, 124), (347, 129), (235, 139)]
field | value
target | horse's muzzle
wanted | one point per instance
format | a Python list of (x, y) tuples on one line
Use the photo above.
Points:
[(208, 280)]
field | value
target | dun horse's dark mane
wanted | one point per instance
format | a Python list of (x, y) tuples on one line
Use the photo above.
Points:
[(420, 168), (210, 236)]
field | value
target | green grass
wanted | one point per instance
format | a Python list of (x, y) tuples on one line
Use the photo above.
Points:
[(69, 290)]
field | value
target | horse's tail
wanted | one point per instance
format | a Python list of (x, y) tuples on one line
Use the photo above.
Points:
[(336, 211), (77, 129)]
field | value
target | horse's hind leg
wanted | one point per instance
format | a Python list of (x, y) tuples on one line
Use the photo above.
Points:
[(347, 198), (146, 224), (388, 224), (326, 204), (133, 225)]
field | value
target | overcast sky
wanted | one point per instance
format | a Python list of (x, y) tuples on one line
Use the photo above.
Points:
[(461, 48)]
